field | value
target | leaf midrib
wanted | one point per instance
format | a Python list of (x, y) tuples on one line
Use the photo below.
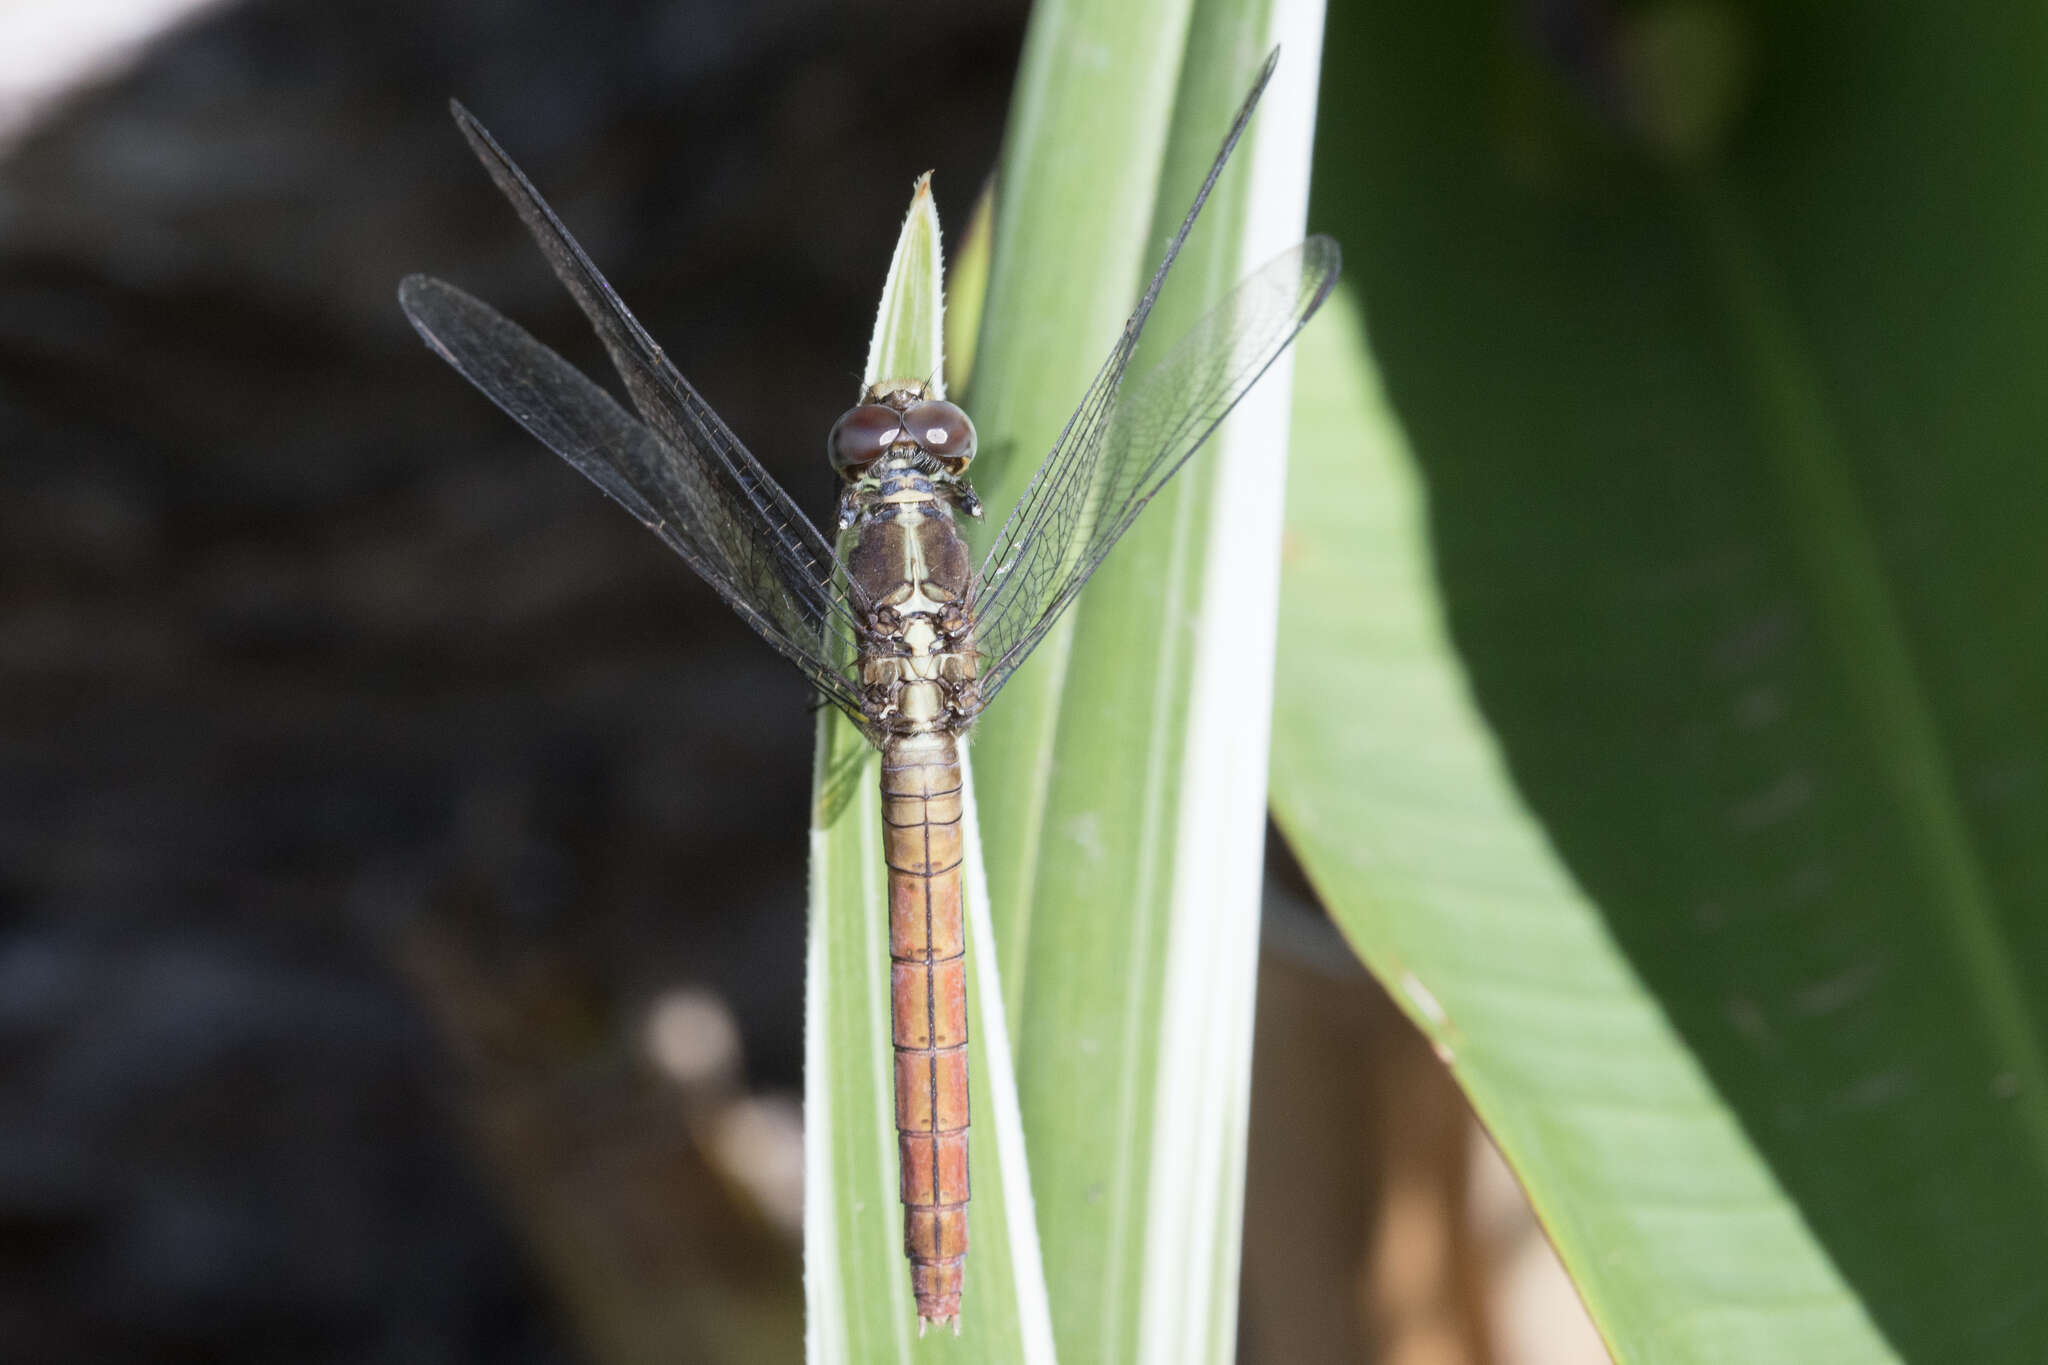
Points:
[(1863, 623)]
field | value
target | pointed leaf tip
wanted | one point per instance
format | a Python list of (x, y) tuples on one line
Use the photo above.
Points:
[(908, 342)]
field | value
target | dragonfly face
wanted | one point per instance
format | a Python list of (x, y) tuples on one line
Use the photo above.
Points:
[(899, 427), (901, 631)]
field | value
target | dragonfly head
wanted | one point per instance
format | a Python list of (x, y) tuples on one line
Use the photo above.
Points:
[(901, 423)]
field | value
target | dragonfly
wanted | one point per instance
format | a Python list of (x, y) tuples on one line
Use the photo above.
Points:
[(890, 619)]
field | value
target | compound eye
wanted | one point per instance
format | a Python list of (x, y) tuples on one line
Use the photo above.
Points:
[(943, 431), (861, 436)]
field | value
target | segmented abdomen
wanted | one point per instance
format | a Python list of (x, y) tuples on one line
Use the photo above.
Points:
[(921, 805)]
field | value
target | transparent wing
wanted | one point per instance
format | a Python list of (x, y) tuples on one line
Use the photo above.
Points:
[(678, 496), (1118, 456), (1123, 444), (708, 455)]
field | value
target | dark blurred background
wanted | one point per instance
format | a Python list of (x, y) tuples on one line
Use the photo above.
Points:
[(369, 786), (401, 854)]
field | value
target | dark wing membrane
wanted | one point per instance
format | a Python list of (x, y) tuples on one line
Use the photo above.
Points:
[(1124, 445), (809, 570), (677, 493)]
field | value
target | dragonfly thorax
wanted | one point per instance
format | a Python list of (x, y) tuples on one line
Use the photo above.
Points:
[(911, 568)]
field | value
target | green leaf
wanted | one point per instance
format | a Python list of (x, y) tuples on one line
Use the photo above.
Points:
[(1393, 793), (1689, 780), (909, 325), (1123, 770), (856, 1280), (967, 286)]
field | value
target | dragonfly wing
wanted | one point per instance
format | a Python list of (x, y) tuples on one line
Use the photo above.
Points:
[(1121, 445), (1029, 549), (665, 399), (1126, 443), (676, 491)]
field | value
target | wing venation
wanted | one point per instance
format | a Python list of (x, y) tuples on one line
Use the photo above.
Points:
[(678, 467), (1125, 441), (679, 499)]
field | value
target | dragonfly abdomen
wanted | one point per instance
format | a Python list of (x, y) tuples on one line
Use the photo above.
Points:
[(921, 809)]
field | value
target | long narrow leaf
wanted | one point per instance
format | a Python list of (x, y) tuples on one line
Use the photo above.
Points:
[(856, 1282), (1124, 771)]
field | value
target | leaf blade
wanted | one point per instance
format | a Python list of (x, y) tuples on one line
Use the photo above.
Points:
[(908, 342), (1126, 903), (856, 1280), (1405, 816), (1692, 400)]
